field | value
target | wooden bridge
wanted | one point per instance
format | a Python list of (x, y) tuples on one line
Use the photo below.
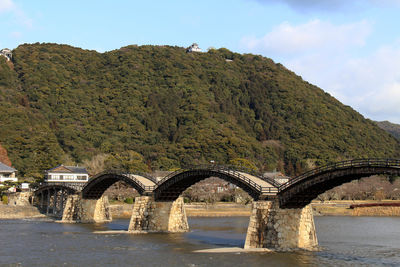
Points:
[(297, 192), (301, 190), (281, 217)]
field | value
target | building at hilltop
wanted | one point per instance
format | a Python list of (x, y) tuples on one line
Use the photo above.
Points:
[(7, 173), (193, 48), (66, 174), (5, 52)]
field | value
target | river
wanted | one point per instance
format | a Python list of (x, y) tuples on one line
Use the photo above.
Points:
[(346, 241)]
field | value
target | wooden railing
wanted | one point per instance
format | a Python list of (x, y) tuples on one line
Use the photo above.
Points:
[(356, 163), (129, 176), (232, 172)]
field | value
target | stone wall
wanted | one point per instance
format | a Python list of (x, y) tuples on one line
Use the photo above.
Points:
[(19, 199), (95, 210), (153, 216), (193, 209), (71, 212), (280, 229), (19, 212), (121, 211), (86, 210)]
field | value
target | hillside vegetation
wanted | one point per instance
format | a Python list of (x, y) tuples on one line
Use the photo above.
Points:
[(392, 128), (162, 108)]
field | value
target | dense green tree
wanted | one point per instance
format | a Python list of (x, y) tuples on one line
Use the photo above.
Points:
[(173, 109)]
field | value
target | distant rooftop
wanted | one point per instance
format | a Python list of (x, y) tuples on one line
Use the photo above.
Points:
[(69, 169), (6, 169)]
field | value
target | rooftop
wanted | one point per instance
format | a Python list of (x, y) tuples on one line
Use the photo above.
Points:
[(69, 169), (6, 169)]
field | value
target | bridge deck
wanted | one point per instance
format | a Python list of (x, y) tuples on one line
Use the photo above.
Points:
[(145, 181), (265, 187), (257, 180)]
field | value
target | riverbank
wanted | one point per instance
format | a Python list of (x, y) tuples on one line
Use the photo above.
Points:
[(342, 208), (124, 211), (19, 212), (327, 208)]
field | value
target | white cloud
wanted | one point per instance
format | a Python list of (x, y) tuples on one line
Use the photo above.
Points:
[(372, 83), (19, 15), (6, 5), (323, 54), (331, 5), (287, 39)]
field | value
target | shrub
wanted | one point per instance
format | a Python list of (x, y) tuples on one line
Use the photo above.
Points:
[(129, 200), (4, 199)]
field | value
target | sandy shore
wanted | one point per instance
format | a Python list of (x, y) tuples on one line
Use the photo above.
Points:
[(233, 250)]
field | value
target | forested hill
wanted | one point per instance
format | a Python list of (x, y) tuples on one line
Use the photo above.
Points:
[(392, 128), (162, 108)]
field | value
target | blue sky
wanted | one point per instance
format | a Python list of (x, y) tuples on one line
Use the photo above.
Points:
[(351, 49)]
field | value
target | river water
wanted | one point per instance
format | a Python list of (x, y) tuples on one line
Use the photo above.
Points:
[(346, 241)]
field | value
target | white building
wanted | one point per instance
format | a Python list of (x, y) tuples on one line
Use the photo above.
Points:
[(66, 174), (5, 52), (193, 48), (24, 186), (7, 173)]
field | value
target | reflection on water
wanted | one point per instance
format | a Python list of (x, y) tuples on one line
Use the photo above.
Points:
[(347, 241)]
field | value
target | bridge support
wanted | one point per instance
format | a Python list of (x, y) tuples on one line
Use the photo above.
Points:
[(86, 210), (281, 229), (149, 215)]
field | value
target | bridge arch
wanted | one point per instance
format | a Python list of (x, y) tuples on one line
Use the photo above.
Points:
[(51, 198), (57, 187), (99, 183), (170, 187), (301, 190)]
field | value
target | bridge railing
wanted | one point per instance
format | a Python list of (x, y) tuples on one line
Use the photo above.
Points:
[(129, 176), (228, 170), (146, 175), (223, 167), (373, 162)]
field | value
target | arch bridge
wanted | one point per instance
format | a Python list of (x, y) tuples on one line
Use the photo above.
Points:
[(286, 222), (296, 193), (301, 190), (98, 184), (172, 185), (256, 185), (50, 199)]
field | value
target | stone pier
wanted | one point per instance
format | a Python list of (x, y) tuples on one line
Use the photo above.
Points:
[(149, 215), (86, 210), (71, 212), (280, 229)]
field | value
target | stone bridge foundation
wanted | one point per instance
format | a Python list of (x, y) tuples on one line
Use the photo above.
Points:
[(82, 210), (281, 229), (149, 215)]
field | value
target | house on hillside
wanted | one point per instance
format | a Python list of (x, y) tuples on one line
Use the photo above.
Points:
[(66, 174), (7, 173), (193, 48), (5, 52)]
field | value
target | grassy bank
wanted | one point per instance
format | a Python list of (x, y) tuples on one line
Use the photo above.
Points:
[(342, 208), (217, 210), (327, 208)]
